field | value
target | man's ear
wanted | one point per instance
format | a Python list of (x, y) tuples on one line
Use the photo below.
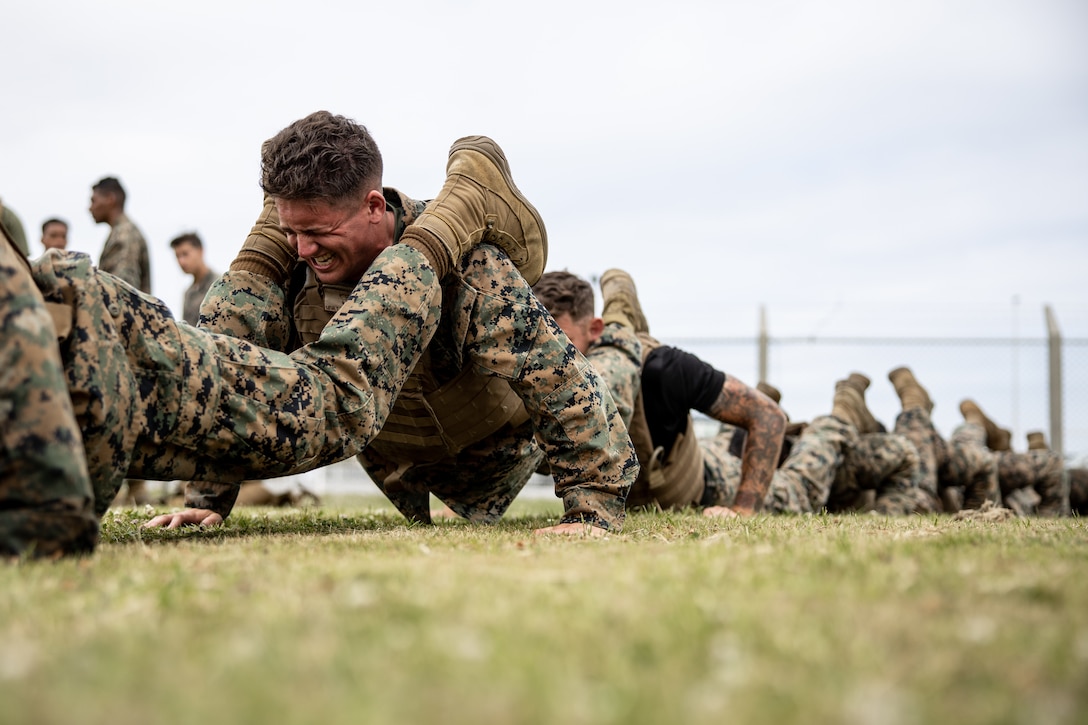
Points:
[(375, 204), (596, 327)]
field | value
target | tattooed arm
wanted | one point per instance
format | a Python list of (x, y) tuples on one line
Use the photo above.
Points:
[(740, 405)]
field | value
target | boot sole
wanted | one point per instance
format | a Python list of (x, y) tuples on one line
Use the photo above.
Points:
[(530, 262)]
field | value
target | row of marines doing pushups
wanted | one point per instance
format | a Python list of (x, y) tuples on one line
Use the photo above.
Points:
[(425, 338)]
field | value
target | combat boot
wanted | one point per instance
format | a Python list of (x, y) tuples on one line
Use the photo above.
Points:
[(770, 391), (1001, 440), (997, 439), (1037, 441), (849, 407), (860, 383), (911, 394), (621, 301), (972, 413), (480, 204)]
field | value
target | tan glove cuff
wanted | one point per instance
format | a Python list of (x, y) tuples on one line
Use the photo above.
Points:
[(275, 267), (266, 250)]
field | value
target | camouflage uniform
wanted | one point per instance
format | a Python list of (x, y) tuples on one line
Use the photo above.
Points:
[(45, 494), (958, 473), (970, 468), (832, 467), (537, 397), (125, 255), (13, 226), (194, 295), (1078, 490), (915, 425), (828, 467), (163, 400), (1038, 471)]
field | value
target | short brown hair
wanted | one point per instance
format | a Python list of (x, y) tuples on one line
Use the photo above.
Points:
[(186, 238), (562, 292), (54, 220), (321, 158)]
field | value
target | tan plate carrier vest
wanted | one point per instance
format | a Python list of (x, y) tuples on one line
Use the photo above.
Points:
[(428, 421), (675, 481)]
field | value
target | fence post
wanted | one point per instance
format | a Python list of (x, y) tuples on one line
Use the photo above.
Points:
[(1054, 346)]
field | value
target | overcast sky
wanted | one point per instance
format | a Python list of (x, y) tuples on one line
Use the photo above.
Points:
[(856, 168)]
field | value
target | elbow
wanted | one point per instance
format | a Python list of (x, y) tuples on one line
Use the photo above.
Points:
[(774, 421)]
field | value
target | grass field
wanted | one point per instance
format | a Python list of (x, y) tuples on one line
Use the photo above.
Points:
[(346, 614)]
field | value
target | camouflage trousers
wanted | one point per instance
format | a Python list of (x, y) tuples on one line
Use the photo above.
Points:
[(1078, 490), (916, 426), (971, 468), (1040, 471), (162, 400), (958, 473), (46, 504), (829, 467)]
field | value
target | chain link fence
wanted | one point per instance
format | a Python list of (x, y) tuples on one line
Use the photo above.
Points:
[(1009, 378)]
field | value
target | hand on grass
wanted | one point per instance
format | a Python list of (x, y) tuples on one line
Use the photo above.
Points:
[(196, 517), (724, 512), (576, 529)]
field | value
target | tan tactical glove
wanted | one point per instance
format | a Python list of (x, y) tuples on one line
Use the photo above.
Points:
[(266, 250)]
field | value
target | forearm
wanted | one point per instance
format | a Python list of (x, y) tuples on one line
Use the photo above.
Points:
[(590, 454), (250, 307), (766, 426), (509, 334), (577, 423), (758, 465)]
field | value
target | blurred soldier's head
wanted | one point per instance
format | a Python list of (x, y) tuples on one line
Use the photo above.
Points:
[(107, 200), (189, 251), (569, 299), (54, 234)]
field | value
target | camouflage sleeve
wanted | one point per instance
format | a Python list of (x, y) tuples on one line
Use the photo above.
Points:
[(210, 495), (251, 307), (508, 333), (617, 357), (587, 445), (121, 255)]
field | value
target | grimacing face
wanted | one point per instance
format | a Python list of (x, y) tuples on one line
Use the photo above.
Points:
[(337, 241)]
